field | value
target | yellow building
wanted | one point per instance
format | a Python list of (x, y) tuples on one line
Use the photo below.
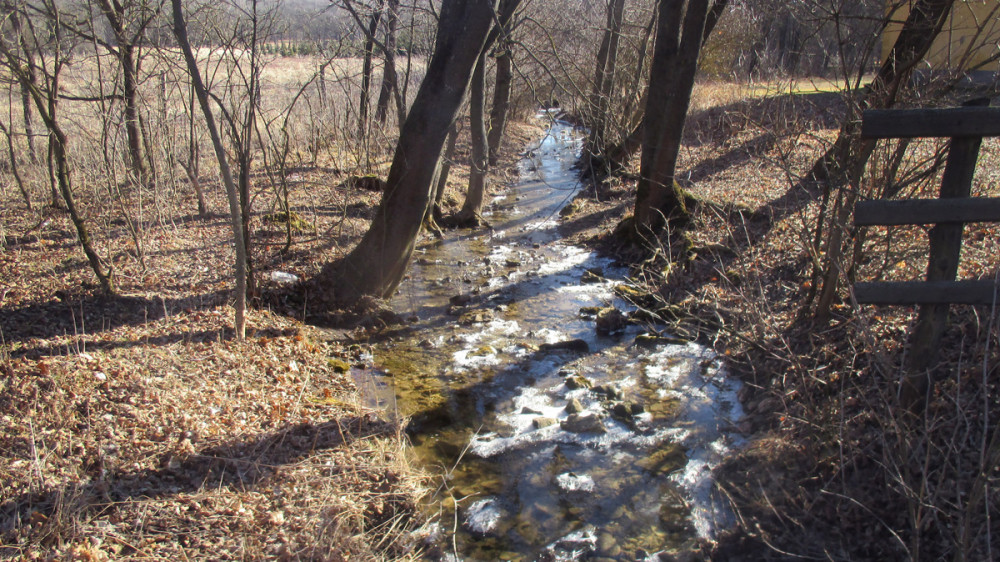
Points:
[(970, 39)]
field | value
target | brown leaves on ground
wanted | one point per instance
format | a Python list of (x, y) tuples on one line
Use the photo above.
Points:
[(201, 449), (835, 469)]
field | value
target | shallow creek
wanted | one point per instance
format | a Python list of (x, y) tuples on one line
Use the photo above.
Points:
[(554, 441)]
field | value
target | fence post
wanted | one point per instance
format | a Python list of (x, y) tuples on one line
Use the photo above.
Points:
[(945, 249)]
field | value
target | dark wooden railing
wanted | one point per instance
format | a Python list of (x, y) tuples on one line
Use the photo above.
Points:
[(966, 126)]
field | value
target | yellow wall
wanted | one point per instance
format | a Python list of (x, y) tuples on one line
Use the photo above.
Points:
[(957, 47)]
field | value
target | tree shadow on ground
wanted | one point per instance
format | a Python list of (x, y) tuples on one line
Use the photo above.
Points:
[(240, 465), (92, 313)]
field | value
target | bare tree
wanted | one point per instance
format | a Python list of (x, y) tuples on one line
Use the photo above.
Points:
[(41, 74), (680, 33), (235, 209), (845, 161), (377, 265)]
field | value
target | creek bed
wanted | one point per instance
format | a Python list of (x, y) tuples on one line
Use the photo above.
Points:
[(554, 441)]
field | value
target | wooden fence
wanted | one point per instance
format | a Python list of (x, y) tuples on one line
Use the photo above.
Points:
[(966, 126)]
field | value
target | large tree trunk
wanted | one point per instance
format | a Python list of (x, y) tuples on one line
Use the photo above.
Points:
[(377, 265), (180, 31), (659, 199)]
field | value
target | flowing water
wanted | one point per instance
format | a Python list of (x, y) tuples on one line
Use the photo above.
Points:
[(554, 441)]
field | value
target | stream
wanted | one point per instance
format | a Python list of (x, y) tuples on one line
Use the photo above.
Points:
[(555, 440)]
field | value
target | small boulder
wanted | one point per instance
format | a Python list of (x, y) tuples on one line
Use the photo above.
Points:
[(543, 422), (580, 346), (583, 423), (610, 321), (575, 382), (574, 406)]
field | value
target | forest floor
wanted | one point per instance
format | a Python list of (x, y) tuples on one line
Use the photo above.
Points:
[(835, 469), (135, 426)]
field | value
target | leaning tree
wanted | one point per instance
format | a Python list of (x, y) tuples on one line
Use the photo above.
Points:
[(378, 263)]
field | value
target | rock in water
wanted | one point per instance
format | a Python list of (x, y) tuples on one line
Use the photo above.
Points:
[(583, 423), (569, 345), (610, 321)]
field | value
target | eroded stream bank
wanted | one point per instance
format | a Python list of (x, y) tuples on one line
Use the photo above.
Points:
[(555, 427)]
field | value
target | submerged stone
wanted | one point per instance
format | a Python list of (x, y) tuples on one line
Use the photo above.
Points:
[(653, 340), (568, 345), (609, 391), (461, 299), (339, 365), (576, 382), (484, 351), (476, 317)]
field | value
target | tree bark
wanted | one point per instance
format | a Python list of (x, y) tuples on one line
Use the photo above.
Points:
[(659, 199), (180, 31), (469, 215), (390, 79), (501, 101), (604, 78), (377, 265), (366, 71)]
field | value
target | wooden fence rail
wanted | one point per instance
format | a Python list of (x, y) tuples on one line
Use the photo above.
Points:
[(966, 126)]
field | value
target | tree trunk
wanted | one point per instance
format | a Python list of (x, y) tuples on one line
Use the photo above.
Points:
[(390, 79), (442, 181), (921, 28), (366, 71), (659, 199), (469, 215), (604, 78), (15, 168), (125, 52), (618, 156), (25, 86), (501, 101), (377, 265), (180, 31), (131, 93)]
